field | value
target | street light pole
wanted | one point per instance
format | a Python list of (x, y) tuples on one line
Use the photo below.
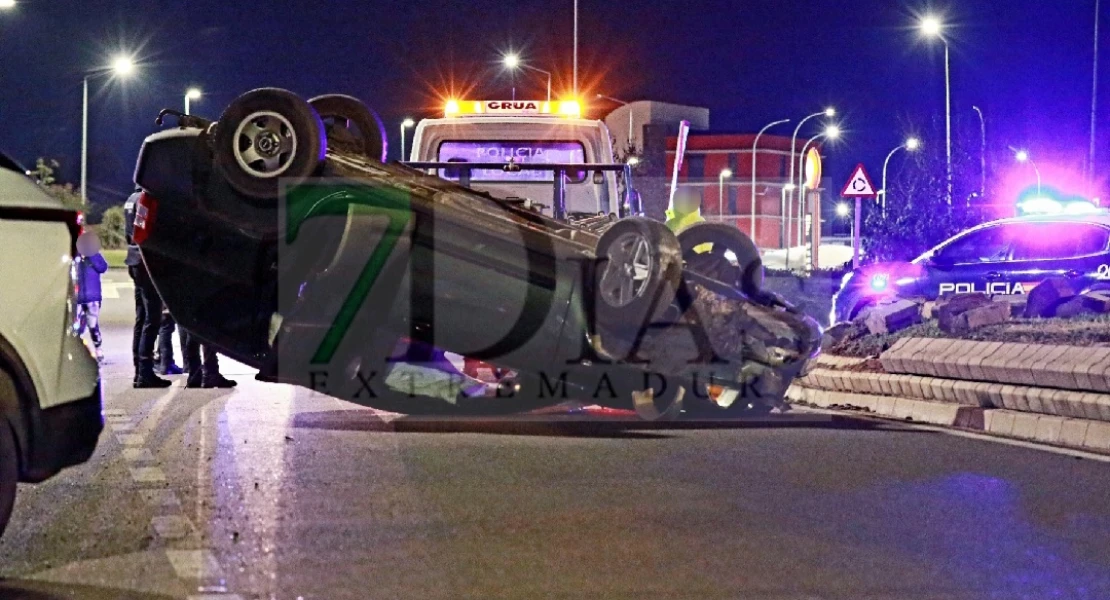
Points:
[(1023, 156), (931, 26), (404, 125), (948, 119), (911, 145), (982, 153), (85, 140), (755, 144), (576, 49), (1094, 107), (622, 103), (721, 195), (191, 94), (828, 112), (120, 66)]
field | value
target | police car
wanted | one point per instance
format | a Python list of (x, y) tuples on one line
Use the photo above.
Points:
[(523, 132), (1005, 257), (49, 380)]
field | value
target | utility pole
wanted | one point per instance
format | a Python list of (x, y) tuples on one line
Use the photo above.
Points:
[(576, 49), (1094, 108)]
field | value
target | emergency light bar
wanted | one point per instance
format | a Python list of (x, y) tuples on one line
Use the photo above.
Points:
[(493, 108)]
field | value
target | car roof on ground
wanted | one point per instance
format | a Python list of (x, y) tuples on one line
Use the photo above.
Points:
[(18, 190)]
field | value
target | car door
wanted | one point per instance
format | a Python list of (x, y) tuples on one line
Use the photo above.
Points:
[(1076, 250), (969, 262)]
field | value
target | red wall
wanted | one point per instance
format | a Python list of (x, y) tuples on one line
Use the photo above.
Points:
[(734, 151)]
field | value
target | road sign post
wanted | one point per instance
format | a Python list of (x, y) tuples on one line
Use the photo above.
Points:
[(859, 186)]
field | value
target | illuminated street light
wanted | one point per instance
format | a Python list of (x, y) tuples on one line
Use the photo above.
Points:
[(631, 143), (121, 66), (633, 161), (842, 209), (932, 27), (831, 132), (1023, 156), (828, 113), (405, 125), (754, 145), (512, 62), (190, 95), (725, 173), (911, 145), (7, 4)]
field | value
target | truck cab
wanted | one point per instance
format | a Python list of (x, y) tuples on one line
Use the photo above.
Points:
[(523, 132)]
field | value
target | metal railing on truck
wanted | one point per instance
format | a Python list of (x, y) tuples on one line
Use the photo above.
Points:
[(630, 204)]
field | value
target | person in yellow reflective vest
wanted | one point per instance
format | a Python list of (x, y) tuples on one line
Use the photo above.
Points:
[(685, 211)]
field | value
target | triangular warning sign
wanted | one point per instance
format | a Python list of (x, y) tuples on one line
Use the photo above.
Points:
[(859, 185)]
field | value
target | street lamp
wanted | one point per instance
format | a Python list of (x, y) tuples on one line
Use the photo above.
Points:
[(725, 173), (911, 145), (786, 189), (405, 125), (190, 95), (1023, 156), (831, 132), (622, 103), (982, 152), (7, 4), (512, 62), (121, 66), (828, 112), (932, 27), (633, 161), (754, 145)]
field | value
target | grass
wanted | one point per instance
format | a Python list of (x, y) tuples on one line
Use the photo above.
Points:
[(115, 258), (1084, 330)]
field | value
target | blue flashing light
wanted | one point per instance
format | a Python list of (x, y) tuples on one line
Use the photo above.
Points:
[(879, 282)]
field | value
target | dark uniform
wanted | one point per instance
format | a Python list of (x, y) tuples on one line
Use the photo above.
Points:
[(206, 374), (148, 307)]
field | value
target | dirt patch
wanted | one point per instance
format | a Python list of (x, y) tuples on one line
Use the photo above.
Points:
[(1085, 331)]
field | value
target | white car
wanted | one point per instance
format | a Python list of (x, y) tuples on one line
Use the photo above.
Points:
[(50, 412)]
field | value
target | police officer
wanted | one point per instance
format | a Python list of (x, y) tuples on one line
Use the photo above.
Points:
[(206, 374), (148, 306)]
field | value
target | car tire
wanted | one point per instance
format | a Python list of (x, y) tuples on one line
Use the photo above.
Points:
[(639, 270), (265, 136), (746, 274), (351, 126), (9, 472)]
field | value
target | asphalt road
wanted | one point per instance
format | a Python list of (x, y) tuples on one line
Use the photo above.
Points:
[(272, 492)]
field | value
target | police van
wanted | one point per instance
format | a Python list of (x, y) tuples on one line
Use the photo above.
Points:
[(514, 133), (1005, 257)]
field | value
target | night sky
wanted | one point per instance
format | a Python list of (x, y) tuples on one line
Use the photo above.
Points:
[(1026, 63)]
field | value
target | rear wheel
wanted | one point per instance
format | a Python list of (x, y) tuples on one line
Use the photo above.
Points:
[(724, 253), (639, 271), (267, 135), (9, 472), (351, 126)]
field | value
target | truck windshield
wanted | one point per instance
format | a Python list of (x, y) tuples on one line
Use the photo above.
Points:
[(521, 151)]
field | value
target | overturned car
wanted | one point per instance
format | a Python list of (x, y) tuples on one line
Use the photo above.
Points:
[(280, 235)]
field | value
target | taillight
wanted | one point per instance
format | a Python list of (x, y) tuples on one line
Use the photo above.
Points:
[(146, 209)]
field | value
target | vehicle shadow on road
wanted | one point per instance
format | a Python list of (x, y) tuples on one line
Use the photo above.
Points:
[(14, 589), (569, 425)]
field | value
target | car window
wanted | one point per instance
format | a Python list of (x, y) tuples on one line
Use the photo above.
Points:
[(981, 246), (1048, 241)]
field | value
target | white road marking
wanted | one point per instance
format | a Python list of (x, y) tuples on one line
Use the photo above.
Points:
[(160, 497), (131, 439), (114, 289), (194, 564), (147, 474), (173, 527), (121, 427), (137, 455)]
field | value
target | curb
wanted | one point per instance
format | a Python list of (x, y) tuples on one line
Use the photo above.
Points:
[(1055, 402), (1081, 434), (1036, 365)]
